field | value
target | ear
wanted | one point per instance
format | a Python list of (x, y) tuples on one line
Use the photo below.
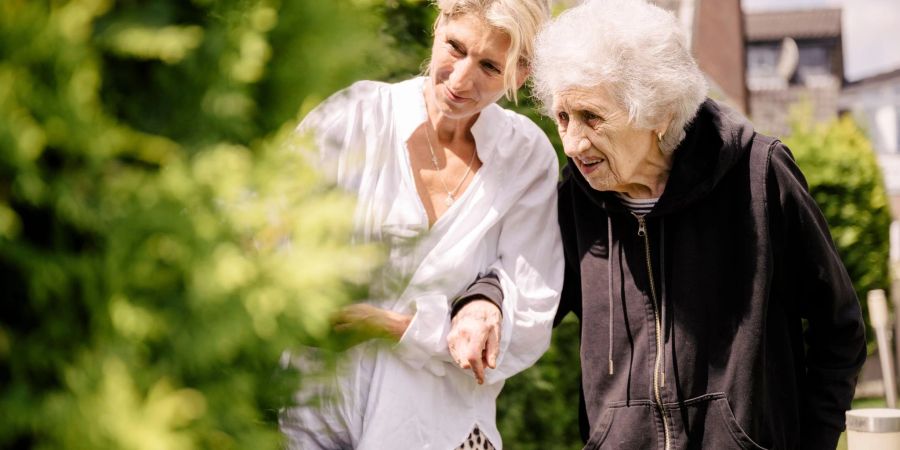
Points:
[(521, 75), (663, 127)]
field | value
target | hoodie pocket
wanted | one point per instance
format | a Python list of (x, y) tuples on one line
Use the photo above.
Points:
[(708, 422), (624, 426), (704, 422)]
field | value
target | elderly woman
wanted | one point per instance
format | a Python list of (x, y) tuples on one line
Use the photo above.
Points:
[(458, 189), (715, 312)]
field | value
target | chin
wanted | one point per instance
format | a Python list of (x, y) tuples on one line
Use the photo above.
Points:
[(455, 112), (600, 187), (601, 182)]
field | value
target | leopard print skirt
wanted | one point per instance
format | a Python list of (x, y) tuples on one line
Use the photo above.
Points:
[(476, 441)]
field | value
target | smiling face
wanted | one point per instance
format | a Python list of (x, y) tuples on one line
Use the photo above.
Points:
[(610, 152), (467, 66)]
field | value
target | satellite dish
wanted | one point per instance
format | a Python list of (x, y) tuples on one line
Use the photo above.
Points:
[(788, 59)]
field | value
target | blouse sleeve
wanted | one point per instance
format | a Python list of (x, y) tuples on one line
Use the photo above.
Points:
[(528, 271), (334, 137), (530, 266)]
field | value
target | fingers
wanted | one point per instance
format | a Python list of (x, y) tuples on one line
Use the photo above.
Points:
[(477, 368), (469, 356), (474, 345), (492, 348), (458, 344)]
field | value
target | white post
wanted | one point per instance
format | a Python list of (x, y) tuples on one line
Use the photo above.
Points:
[(878, 315), (895, 283), (871, 429)]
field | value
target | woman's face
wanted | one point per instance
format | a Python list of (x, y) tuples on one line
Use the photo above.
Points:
[(610, 153), (467, 63)]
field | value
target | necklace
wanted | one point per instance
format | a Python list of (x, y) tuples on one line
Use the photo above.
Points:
[(451, 195)]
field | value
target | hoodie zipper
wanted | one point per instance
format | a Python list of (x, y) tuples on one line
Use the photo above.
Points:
[(642, 232)]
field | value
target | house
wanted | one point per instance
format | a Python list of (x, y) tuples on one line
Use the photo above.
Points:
[(875, 103), (715, 30), (793, 57)]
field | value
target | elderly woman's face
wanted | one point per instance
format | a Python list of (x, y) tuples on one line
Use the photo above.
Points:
[(467, 63), (610, 153)]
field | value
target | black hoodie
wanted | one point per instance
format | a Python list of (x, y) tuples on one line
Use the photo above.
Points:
[(744, 299)]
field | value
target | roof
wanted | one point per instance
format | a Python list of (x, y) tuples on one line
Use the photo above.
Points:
[(892, 75), (797, 24)]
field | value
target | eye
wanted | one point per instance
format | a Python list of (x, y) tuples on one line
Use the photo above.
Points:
[(591, 119), (562, 117), (455, 48), (491, 68)]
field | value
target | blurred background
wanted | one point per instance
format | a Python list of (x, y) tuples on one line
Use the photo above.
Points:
[(160, 247)]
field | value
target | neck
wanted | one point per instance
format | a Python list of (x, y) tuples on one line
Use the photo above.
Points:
[(651, 181)]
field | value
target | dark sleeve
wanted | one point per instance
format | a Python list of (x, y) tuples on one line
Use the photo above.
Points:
[(485, 287), (570, 299), (835, 337)]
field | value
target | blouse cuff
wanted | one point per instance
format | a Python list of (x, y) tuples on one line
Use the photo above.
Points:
[(424, 344)]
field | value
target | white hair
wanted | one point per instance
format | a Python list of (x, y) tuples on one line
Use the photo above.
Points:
[(634, 51), (519, 19)]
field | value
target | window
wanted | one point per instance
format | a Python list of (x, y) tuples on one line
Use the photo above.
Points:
[(814, 59), (762, 60)]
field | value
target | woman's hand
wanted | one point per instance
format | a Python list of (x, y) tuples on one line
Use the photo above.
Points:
[(474, 339), (371, 322)]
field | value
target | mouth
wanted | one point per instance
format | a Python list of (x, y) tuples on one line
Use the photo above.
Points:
[(453, 97), (588, 164)]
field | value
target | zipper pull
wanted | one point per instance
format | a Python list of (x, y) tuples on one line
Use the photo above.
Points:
[(642, 225)]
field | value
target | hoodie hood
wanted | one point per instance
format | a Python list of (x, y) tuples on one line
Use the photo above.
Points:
[(715, 140)]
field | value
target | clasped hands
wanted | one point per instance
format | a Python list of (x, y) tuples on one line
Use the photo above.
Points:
[(473, 341)]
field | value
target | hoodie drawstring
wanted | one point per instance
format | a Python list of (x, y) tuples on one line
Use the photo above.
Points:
[(609, 274), (662, 298), (609, 297)]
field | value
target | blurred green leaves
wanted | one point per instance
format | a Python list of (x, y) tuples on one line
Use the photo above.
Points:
[(161, 243), (168, 44), (844, 178), (538, 409)]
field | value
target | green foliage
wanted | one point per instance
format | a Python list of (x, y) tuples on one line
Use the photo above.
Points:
[(844, 178), (538, 409), (529, 107), (147, 202), (409, 24)]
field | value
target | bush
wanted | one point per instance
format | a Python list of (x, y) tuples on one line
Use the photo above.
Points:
[(147, 201), (538, 409), (844, 178)]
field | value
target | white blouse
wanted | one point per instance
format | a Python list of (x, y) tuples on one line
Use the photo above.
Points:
[(411, 395)]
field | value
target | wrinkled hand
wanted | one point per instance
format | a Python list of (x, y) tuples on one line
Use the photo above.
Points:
[(474, 339), (371, 322)]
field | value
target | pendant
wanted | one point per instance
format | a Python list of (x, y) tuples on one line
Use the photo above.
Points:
[(449, 200)]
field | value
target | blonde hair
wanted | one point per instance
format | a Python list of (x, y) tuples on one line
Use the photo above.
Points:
[(521, 20)]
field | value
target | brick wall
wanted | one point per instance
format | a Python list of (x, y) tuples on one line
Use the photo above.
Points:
[(719, 47), (770, 109)]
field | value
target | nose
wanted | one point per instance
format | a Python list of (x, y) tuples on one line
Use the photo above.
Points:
[(461, 78), (574, 141)]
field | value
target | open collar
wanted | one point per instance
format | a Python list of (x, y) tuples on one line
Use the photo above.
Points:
[(409, 114)]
